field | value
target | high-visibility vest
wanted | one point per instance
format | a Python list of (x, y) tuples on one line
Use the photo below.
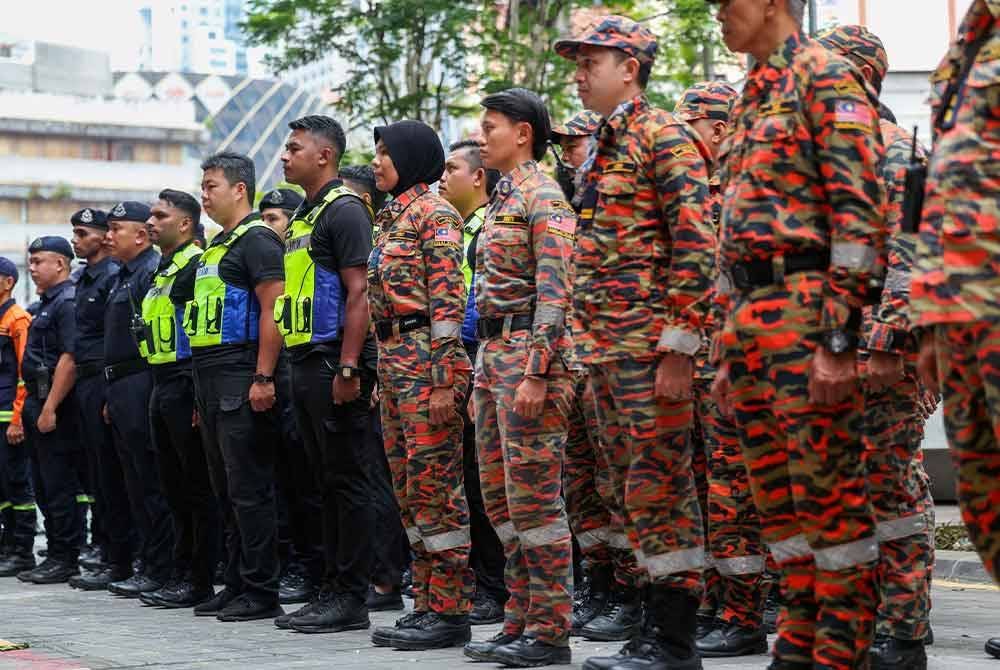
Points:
[(163, 318)]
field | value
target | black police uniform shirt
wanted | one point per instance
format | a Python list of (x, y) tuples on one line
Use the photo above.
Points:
[(92, 289), (125, 305), (52, 332), (341, 238), (257, 257)]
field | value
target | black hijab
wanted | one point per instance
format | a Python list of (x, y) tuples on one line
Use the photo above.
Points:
[(416, 152)]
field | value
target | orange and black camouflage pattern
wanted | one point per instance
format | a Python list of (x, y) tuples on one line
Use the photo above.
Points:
[(613, 32), (524, 267), (802, 175), (857, 44), (583, 124), (706, 100), (415, 267)]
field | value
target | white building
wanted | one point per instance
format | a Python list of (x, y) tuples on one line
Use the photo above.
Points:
[(200, 36)]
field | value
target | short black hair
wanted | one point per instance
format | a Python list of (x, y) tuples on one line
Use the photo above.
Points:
[(325, 127), (236, 167), (645, 69), (184, 202), (522, 105), (364, 176), (475, 161)]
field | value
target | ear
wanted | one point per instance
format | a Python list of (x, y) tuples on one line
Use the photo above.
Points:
[(326, 156), (479, 177), (367, 197), (630, 70), (868, 72), (523, 133), (719, 129)]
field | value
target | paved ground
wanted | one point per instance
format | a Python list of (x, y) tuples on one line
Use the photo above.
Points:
[(70, 630)]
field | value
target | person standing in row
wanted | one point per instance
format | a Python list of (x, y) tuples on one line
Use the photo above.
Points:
[(234, 349), (127, 405), (323, 317), (173, 222), (50, 414), (523, 385), (645, 260), (417, 301)]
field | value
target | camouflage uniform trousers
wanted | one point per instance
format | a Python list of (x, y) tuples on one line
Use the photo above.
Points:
[(426, 466), (648, 448), (699, 467), (733, 526), (904, 510), (594, 518), (969, 365), (807, 477), (520, 471)]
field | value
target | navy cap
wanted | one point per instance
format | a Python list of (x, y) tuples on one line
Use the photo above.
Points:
[(129, 211), (285, 198), (93, 218), (59, 245), (8, 269)]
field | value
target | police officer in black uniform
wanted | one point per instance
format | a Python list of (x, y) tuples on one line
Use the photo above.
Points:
[(111, 514), (130, 383), (50, 413)]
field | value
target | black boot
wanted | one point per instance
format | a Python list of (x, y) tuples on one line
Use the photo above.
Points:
[(485, 610), (666, 641), (98, 580), (213, 606), (731, 640), (383, 636), (619, 620), (384, 602), (135, 585), (434, 631), (284, 621), (16, 562), (50, 571), (704, 625), (890, 653), (993, 647), (483, 650), (336, 613), (772, 605), (527, 652), (594, 598), (180, 594)]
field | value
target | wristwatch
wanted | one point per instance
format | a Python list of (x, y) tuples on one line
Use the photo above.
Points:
[(348, 372), (258, 378), (839, 342)]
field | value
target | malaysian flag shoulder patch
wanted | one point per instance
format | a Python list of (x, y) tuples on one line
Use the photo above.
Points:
[(849, 114)]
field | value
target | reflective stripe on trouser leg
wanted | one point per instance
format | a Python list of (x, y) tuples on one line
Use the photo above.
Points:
[(739, 565), (588, 539), (894, 529)]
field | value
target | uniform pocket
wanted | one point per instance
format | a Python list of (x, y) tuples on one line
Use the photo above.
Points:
[(231, 403), (983, 85), (535, 449)]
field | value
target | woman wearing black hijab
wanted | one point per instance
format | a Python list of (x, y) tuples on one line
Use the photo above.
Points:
[(416, 293)]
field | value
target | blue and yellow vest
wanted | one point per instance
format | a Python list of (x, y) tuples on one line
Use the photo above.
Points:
[(221, 313), (312, 309), (168, 340)]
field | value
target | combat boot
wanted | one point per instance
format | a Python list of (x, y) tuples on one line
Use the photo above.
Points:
[(594, 598), (620, 618), (483, 649), (993, 647), (731, 640), (666, 641), (15, 563), (890, 653), (529, 652), (705, 624), (434, 631), (383, 636)]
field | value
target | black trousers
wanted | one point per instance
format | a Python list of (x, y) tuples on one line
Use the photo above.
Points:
[(486, 558), (128, 409), (53, 463), (391, 548), (107, 478), (300, 505), (184, 477), (240, 449), (334, 436), (17, 495)]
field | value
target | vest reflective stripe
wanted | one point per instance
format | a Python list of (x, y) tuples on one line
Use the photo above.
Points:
[(6, 416), (312, 309), (221, 313), (170, 342)]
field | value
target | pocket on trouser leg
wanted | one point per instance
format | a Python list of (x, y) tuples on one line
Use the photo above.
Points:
[(533, 479)]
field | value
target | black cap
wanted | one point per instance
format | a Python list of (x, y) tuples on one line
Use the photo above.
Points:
[(129, 210), (59, 245), (283, 198), (8, 269), (92, 218)]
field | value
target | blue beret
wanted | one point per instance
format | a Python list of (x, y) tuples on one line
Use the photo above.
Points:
[(94, 218), (8, 269), (284, 198), (129, 211), (59, 245)]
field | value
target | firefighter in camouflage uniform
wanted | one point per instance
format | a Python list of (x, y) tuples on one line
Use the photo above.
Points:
[(804, 228)]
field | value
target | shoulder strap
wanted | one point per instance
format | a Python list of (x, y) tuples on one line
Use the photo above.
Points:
[(181, 259), (242, 230), (334, 194), (957, 80)]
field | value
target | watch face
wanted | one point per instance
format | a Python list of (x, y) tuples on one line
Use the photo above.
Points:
[(346, 372), (838, 342)]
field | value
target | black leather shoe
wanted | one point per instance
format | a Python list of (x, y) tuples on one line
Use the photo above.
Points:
[(609, 662), (527, 652), (772, 606), (16, 563), (179, 595), (890, 653), (406, 585), (666, 641), (706, 624), (333, 614), (485, 610), (731, 640), (592, 598), (50, 571), (383, 636), (295, 588), (91, 558), (619, 620), (98, 580), (483, 649), (215, 605), (134, 585), (384, 602), (993, 647), (245, 607), (434, 631)]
